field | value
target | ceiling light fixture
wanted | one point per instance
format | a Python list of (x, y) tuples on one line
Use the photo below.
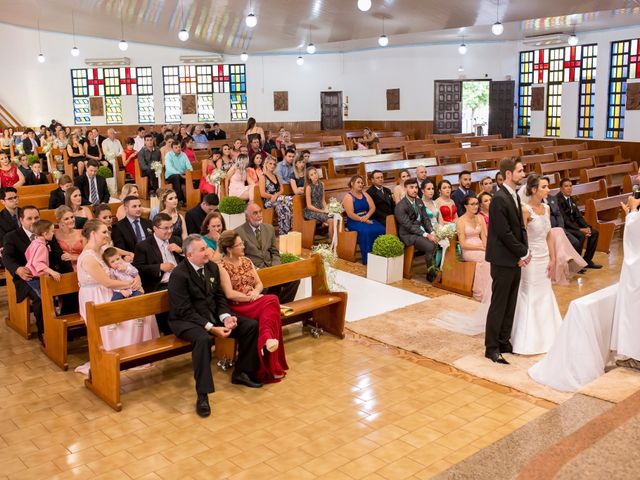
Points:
[(460, 69), (383, 40), (311, 48), (364, 5), (462, 49), (183, 34), (497, 28), (244, 56), (573, 38), (75, 51), (251, 20), (300, 60), (122, 45), (41, 58)]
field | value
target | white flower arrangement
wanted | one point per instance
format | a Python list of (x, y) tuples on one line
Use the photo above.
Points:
[(20, 148), (329, 259), (46, 148), (217, 176), (334, 206), (110, 156), (157, 168), (445, 232), (56, 174)]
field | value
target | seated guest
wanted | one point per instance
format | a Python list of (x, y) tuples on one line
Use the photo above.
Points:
[(297, 179), (68, 236), (485, 200), (187, 148), (111, 149), (272, 192), (198, 135), (36, 177), (210, 165), (37, 255), (159, 193), (398, 190), (92, 149), (129, 157), (138, 141), (381, 196), (167, 145), (76, 154), (199, 310), (316, 205), (270, 145), (103, 213), (93, 187), (255, 169), (10, 176), (23, 166), (499, 180), (284, 170), (421, 175), (9, 214), (30, 144), (256, 149), (463, 190), (195, 216), (429, 191), (132, 228), (238, 182), (57, 196), (445, 204), (235, 151), (96, 286), (260, 246), (575, 224), (129, 190), (169, 205), (212, 226), (243, 289), (146, 156), (216, 133), (286, 144), (73, 200), (472, 236), (359, 208), (414, 226), (486, 185), (176, 164)]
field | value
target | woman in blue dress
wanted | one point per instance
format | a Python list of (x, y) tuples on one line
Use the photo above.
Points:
[(359, 208)]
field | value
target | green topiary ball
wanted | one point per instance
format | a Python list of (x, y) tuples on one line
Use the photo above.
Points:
[(388, 246), (33, 159), (104, 172), (232, 205), (288, 258)]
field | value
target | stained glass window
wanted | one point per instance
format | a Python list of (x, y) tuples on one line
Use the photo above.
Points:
[(112, 82), (171, 80), (81, 114), (220, 78), (128, 81), (619, 72), (587, 90), (145, 81), (187, 79), (205, 108), (79, 83), (146, 110), (203, 78), (238, 107), (113, 107), (554, 91), (238, 79), (524, 93), (172, 109), (541, 66), (95, 80)]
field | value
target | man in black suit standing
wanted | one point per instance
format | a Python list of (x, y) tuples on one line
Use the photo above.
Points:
[(414, 226), (132, 229), (156, 257), (507, 252), (576, 225), (463, 191), (35, 176), (93, 187), (197, 214), (198, 309), (381, 196)]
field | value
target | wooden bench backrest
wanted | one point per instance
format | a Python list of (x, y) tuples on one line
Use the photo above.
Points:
[(538, 158), (564, 149), (379, 133), (311, 267), (476, 177), (392, 143), (332, 184), (609, 203), (33, 190), (308, 145), (628, 182), (601, 172), (456, 168), (601, 154), (497, 143), (393, 165), (582, 191), (532, 148), (328, 140), (455, 155), (490, 159), (564, 166), (354, 161)]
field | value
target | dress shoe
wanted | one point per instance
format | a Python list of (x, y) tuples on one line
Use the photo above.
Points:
[(496, 357), (582, 272), (507, 348), (593, 265), (202, 405), (244, 379)]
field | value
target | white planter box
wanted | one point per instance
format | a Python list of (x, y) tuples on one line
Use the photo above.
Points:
[(384, 270), (233, 221)]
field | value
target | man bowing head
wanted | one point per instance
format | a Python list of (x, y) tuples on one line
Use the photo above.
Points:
[(198, 310)]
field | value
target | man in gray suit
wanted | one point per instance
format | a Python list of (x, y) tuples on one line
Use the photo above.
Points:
[(414, 226), (260, 246)]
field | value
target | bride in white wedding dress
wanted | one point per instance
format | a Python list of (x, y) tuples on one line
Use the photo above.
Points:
[(537, 316)]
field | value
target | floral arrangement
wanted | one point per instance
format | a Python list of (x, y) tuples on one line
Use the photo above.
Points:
[(33, 159), (329, 259), (388, 246), (288, 258), (56, 174), (157, 168), (20, 148), (110, 156), (445, 232), (46, 148), (217, 176), (334, 206)]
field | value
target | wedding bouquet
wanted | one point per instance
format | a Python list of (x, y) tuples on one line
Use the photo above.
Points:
[(444, 232), (157, 168), (334, 206), (56, 174), (110, 156), (329, 259), (217, 176), (20, 148), (46, 148)]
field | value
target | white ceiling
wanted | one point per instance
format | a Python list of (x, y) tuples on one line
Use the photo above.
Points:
[(335, 25)]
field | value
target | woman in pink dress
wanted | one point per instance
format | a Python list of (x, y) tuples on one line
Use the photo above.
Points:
[(96, 286), (485, 200), (239, 183), (444, 203), (69, 238), (472, 236), (235, 151)]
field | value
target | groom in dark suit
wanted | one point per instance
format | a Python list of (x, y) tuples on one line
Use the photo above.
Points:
[(198, 310), (507, 252)]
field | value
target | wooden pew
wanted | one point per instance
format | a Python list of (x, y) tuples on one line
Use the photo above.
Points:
[(391, 144), (441, 170), (331, 140), (18, 316), (613, 174), (628, 182), (442, 137), (565, 152), (490, 160), (583, 191), (496, 144), (456, 276), (531, 148), (68, 168), (141, 182), (268, 214), (192, 193), (456, 155), (307, 228), (476, 178), (566, 169), (604, 156), (324, 308), (56, 326), (604, 214), (341, 165), (308, 145), (530, 161), (427, 150), (36, 195), (393, 167), (474, 140), (409, 250)]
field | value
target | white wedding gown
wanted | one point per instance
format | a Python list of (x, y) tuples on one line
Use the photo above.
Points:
[(537, 317)]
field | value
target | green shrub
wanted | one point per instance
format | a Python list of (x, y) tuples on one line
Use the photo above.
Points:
[(32, 159), (104, 172), (388, 246), (232, 205), (288, 258)]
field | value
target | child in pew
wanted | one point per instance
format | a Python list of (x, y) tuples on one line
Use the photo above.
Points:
[(120, 270), (37, 254)]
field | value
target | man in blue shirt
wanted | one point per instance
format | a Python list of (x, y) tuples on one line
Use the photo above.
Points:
[(284, 170), (176, 164)]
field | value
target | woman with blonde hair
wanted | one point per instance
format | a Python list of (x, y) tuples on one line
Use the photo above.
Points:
[(238, 182), (169, 205), (68, 236)]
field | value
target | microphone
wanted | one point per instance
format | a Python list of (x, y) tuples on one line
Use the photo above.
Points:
[(636, 192)]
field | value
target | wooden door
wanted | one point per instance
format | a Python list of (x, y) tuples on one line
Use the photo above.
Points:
[(501, 108), (331, 110), (447, 107)]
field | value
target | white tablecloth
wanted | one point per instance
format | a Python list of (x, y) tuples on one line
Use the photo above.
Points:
[(583, 345)]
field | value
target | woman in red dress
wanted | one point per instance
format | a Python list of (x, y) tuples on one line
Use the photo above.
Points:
[(130, 157), (444, 203), (243, 288), (187, 148), (10, 176)]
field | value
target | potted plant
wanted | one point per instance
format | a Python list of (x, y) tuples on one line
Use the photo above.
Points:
[(384, 263), (107, 174), (33, 159), (232, 210), (286, 257)]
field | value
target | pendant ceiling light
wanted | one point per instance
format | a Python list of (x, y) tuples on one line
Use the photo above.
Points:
[(497, 28), (251, 20), (383, 40), (244, 56), (364, 5), (462, 49), (300, 60), (311, 48), (122, 45), (573, 39), (75, 51), (41, 58), (183, 34)]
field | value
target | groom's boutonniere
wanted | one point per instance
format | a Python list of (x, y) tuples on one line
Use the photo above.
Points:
[(211, 281), (149, 231)]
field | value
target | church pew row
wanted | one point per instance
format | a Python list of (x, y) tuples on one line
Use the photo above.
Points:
[(324, 308), (603, 156), (390, 145), (568, 168), (490, 160), (456, 276), (349, 165), (605, 215), (613, 174), (18, 317), (584, 191), (530, 161), (565, 152), (456, 155)]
